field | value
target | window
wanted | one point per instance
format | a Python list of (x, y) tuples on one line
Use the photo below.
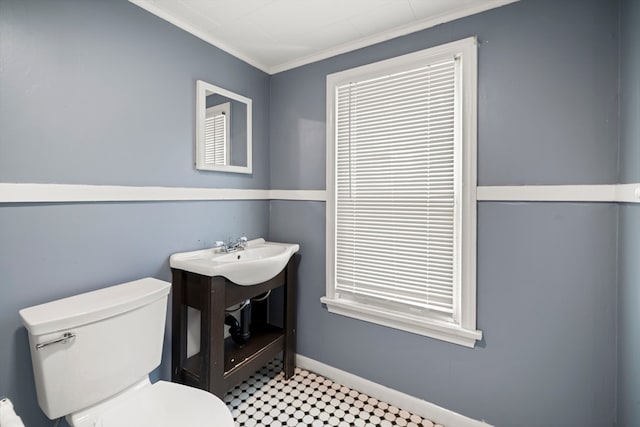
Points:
[(401, 184), (217, 136)]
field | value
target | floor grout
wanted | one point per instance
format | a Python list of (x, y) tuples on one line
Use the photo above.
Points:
[(266, 399)]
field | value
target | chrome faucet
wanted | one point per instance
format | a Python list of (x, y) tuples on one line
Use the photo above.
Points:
[(239, 245)]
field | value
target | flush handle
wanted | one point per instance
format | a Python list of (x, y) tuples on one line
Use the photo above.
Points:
[(67, 337)]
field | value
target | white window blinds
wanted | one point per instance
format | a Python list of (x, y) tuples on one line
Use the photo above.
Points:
[(396, 183), (215, 137)]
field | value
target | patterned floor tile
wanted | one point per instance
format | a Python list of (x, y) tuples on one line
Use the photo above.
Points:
[(266, 399)]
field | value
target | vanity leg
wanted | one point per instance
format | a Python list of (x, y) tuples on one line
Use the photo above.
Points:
[(179, 327), (215, 337), (290, 298)]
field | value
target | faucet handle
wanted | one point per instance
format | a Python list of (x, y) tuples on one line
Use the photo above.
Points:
[(243, 239), (219, 243)]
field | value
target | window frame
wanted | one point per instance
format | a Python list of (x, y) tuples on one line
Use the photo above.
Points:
[(463, 331)]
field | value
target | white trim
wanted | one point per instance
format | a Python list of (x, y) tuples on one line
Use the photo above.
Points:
[(44, 193), (35, 193), (69, 193), (420, 325), (472, 9), (308, 195), (623, 193), (469, 181), (463, 332), (162, 14), (202, 90), (628, 193), (409, 403)]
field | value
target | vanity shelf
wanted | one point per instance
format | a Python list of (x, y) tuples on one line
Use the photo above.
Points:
[(221, 364)]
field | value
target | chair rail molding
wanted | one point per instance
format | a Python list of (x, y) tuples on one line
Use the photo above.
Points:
[(614, 193), (81, 193)]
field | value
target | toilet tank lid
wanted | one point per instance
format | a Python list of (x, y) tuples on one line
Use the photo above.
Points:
[(92, 306)]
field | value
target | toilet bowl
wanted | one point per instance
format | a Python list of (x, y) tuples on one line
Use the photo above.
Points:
[(92, 353), (162, 404)]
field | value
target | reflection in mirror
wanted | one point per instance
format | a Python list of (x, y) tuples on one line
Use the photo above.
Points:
[(223, 139), (217, 137)]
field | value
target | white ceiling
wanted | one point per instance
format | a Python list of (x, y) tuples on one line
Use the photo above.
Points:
[(276, 35)]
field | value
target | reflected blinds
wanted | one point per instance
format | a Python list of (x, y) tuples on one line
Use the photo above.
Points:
[(396, 188), (215, 133)]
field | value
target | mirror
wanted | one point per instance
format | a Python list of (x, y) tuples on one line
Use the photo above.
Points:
[(223, 130)]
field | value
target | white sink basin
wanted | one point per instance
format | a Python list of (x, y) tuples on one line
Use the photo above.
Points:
[(257, 263)]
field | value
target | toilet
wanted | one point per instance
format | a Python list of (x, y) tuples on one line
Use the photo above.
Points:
[(92, 355)]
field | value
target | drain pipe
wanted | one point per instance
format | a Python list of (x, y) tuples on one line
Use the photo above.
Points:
[(239, 331)]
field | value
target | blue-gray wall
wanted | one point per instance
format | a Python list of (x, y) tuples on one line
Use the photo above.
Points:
[(547, 272), (629, 317), (629, 91), (102, 92), (629, 276)]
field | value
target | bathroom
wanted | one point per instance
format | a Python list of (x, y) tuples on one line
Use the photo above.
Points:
[(102, 93)]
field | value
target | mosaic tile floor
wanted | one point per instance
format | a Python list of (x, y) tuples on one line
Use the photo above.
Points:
[(266, 399)]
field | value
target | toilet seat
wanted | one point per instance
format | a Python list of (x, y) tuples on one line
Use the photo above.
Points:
[(166, 404)]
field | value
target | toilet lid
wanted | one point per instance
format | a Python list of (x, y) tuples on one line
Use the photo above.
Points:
[(166, 404)]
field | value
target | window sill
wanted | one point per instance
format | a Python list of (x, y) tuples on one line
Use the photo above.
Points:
[(418, 325)]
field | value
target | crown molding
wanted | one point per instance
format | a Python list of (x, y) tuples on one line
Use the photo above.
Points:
[(389, 34), (160, 13), (326, 53)]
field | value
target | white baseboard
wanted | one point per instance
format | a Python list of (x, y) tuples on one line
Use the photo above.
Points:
[(412, 404)]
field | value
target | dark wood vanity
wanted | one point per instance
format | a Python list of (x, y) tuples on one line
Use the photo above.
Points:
[(221, 363)]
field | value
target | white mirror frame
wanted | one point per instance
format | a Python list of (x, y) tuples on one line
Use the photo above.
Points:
[(202, 88)]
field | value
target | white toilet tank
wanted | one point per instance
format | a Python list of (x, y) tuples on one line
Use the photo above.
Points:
[(88, 347)]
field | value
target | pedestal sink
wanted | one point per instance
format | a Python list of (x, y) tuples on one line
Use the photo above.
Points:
[(257, 263)]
